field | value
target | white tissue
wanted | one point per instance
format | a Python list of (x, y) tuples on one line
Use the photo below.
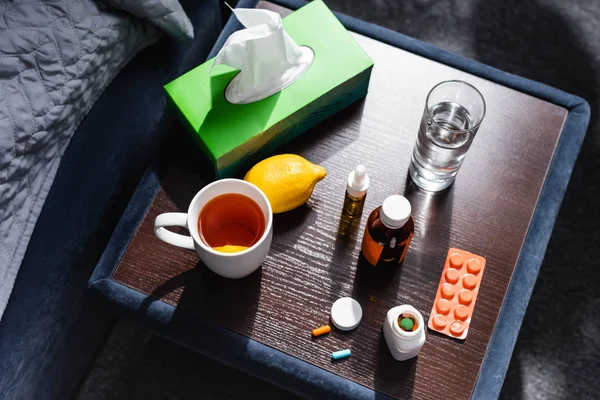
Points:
[(268, 58)]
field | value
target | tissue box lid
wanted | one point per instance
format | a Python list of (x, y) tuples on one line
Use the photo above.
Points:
[(221, 126)]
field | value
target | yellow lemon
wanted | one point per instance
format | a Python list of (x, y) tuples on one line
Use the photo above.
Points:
[(230, 248), (287, 180)]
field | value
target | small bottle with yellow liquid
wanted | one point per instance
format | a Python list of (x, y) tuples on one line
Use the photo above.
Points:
[(388, 233), (356, 192)]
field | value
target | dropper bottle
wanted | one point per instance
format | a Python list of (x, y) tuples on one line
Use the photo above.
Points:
[(356, 192)]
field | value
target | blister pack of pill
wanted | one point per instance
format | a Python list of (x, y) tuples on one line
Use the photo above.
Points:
[(455, 298)]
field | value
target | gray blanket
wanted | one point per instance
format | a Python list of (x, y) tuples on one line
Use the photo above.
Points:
[(56, 58)]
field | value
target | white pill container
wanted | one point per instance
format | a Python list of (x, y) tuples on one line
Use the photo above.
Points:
[(404, 344)]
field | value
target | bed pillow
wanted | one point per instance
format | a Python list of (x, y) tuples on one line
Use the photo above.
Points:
[(166, 14)]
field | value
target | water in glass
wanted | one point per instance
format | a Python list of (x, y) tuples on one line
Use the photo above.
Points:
[(441, 146)]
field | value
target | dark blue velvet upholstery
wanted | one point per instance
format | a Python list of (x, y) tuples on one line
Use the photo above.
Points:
[(51, 329), (299, 376)]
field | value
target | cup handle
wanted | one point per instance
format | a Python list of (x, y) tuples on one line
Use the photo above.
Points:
[(173, 219)]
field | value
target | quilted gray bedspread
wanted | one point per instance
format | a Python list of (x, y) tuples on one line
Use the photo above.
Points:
[(56, 58)]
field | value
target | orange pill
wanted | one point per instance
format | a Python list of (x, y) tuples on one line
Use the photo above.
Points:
[(451, 275), (456, 261), (321, 330), (469, 281), (461, 312), (457, 328), (447, 291), (443, 306), (439, 321), (465, 297), (474, 266)]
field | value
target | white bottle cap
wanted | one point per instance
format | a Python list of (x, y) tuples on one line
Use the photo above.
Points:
[(346, 313), (395, 211), (358, 182)]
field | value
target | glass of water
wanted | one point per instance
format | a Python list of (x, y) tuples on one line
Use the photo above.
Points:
[(453, 113)]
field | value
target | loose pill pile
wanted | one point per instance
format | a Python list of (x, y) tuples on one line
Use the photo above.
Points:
[(345, 315)]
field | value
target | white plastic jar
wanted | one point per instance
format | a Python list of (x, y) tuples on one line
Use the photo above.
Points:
[(404, 344)]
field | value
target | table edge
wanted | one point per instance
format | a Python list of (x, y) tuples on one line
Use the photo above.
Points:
[(277, 365)]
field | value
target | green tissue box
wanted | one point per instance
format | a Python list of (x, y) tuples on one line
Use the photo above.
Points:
[(234, 136)]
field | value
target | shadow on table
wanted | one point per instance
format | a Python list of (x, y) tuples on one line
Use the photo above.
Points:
[(231, 303), (432, 212), (375, 285), (319, 143), (390, 372), (289, 226), (343, 254)]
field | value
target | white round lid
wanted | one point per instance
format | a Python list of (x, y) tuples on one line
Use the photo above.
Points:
[(346, 313), (395, 211)]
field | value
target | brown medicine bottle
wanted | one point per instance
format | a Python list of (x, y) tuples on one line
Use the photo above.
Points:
[(389, 231)]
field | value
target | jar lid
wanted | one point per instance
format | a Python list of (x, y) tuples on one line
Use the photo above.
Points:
[(346, 313), (395, 211)]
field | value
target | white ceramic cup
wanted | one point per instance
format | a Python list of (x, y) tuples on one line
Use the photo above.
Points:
[(229, 265)]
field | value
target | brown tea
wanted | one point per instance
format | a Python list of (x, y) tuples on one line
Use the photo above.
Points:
[(231, 220)]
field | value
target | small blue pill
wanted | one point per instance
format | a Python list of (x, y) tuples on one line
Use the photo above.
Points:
[(336, 355)]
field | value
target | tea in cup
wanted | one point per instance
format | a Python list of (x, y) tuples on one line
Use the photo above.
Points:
[(231, 227)]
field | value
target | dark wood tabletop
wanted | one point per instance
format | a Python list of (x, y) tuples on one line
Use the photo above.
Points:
[(315, 259)]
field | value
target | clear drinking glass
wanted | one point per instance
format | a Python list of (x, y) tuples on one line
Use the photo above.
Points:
[(453, 113)]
